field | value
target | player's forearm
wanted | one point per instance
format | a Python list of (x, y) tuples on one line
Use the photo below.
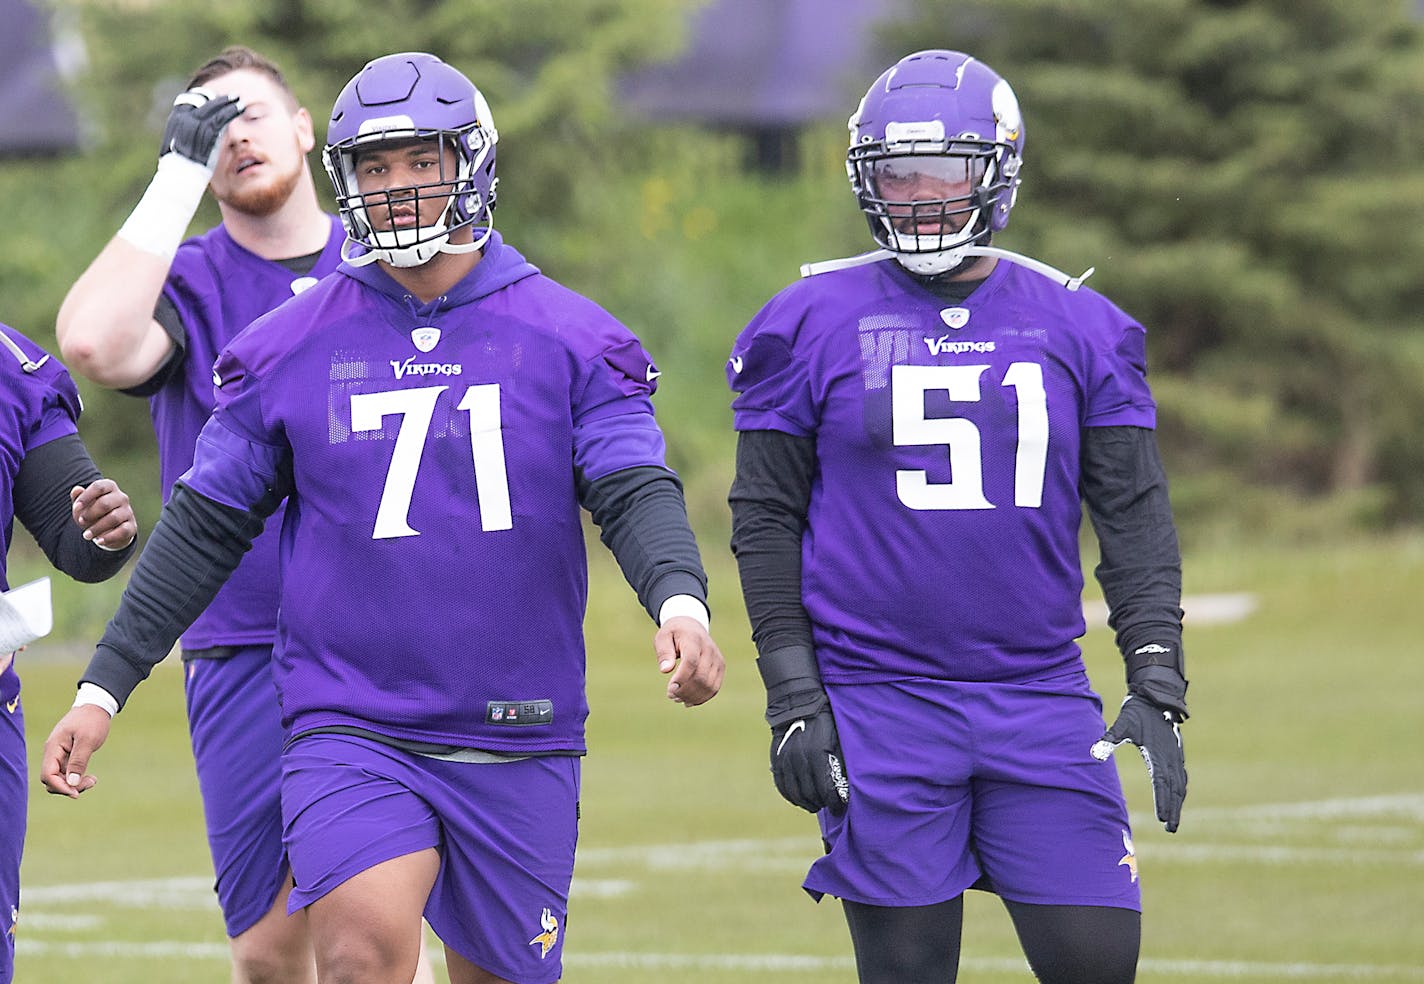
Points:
[(42, 505), (642, 518), (195, 546), (768, 553), (106, 329), (1125, 489), (769, 498)]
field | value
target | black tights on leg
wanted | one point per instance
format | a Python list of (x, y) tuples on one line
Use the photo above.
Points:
[(1078, 944), (1064, 944), (906, 945)]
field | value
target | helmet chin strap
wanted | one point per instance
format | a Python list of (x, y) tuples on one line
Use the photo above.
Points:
[(936, 262), (405, 257), (946, 260)]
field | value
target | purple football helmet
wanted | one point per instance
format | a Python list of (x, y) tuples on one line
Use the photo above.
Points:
[(398, 99), (935, 150)]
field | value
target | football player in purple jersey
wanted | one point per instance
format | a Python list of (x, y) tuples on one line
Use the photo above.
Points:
[(82, 522), (149, 317), (919, 427), (435, 414)]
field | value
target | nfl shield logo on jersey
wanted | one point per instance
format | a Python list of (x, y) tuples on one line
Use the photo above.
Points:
[(426, 338), (955, 317)]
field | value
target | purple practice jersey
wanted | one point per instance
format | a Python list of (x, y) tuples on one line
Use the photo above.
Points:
[(942, 535), (432, 553), (38, 404), (218, 289)]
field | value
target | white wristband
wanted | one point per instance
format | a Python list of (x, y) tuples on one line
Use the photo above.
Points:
[(92, 693), (684, 604), (159, 222), (113, 549)]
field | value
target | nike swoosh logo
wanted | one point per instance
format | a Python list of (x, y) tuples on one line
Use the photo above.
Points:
[(736, 363), (795, 727), (653, 374), (217, 380), (13, 703)]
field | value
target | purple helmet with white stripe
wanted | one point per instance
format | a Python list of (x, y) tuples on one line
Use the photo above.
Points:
[(935, 150), (397, 99)]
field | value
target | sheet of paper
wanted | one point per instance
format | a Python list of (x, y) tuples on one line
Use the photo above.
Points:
[(25, 615)]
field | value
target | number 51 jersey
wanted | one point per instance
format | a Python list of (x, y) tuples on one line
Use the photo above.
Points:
[(942, 535), (433, 567)]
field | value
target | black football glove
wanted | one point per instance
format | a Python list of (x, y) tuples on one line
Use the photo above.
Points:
[(196, 123), (806, 759), (1150, 718)]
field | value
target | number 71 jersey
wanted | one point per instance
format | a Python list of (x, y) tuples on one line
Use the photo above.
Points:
[(433, 567), (942, 534)]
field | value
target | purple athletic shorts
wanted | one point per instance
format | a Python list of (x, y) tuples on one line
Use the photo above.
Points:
[(954, 782), (505, 831), (237, 735)]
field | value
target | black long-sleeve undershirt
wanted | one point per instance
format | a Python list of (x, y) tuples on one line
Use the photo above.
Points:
[(195, 546), (770, 498), (1123, 485), (1140, 569), (641, 517), (43, 506)]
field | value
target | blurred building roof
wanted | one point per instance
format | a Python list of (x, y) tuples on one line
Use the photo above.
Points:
[(766, 63), (35, 114)]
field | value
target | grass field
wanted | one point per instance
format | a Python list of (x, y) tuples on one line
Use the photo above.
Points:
[(1301, 853)]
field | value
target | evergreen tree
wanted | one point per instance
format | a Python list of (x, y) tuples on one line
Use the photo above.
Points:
[(1245, 176)]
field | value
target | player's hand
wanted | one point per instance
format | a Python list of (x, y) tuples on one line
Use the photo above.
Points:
[(806, 759), (196, 123), (1156, 732), (65, 762), (807, 764), (685, 649), (102, 510)]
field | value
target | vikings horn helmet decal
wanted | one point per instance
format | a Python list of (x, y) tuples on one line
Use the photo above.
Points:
[(549, 938)]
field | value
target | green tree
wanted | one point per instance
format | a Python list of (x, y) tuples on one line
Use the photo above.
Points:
[(547, 67), (1245, 176), (658, 223)]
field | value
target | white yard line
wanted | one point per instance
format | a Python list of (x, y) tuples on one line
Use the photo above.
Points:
[(785, 963), (1268, 854), (1202, 609), (1406, 805), (173, 893), (58, 908)]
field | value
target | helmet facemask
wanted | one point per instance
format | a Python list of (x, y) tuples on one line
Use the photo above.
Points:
[(936, 147), (925, 201), (397, 101), (374, 220)]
